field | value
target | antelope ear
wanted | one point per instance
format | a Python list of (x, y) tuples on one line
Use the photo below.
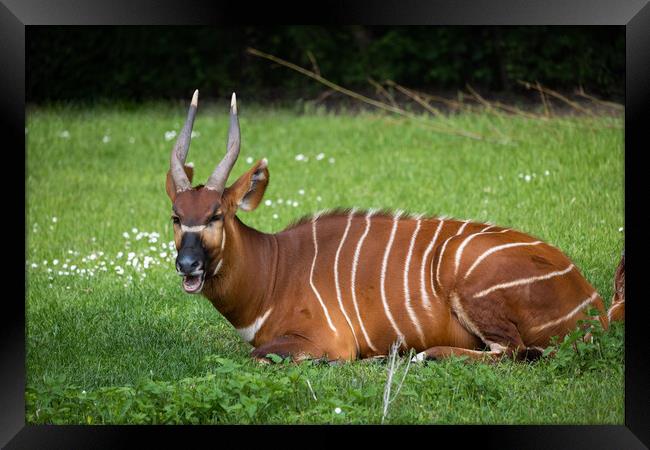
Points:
[(171, 187), (247, 192)]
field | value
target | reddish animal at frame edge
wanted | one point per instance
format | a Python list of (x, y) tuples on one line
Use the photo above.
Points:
[(347, 284)]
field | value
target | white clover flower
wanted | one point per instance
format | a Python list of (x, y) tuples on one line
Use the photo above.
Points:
[(195, 134), (301, 192), (268, 202), (169, 135), (620, 229), (275, 216), (34, 265), (527, 178), (337, 410), (163, 254), (55, 262), (547, 173), (65, 134), (295, 204), (73, 267), (249, 160), (320, 156), (331, 160), (125, 235), (106, 139), (318, 198), (300, 157), (131, 140), (130, 256), (280, 201), (119, 270), (55, 219), (119, 255)]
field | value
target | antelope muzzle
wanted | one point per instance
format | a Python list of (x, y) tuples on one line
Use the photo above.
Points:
[(191, 263)]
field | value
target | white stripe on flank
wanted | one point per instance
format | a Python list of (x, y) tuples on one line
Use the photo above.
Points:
[(311, 278), (496, 249), (216, 270), (248, 333), (424, 261), (442, 251), (355, 262), (461, 247), (461, 229), (523, 281), (407, 295), (573, 312), (463, 317), (336, 277), (194, 229), (384, 264)]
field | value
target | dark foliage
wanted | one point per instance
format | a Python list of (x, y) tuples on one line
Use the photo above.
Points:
[(138, 63)]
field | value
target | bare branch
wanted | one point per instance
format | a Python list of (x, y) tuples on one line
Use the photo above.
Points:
[(383, 91), (555, 94), (363, 98), (614, 105), (314, 64)]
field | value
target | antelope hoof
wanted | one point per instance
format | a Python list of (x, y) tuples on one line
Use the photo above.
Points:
[(420, 357)]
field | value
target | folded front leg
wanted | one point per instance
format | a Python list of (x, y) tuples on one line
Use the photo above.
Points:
[(296, 347)]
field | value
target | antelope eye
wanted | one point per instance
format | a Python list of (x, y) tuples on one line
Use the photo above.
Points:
[(215, 217), (176, 220)]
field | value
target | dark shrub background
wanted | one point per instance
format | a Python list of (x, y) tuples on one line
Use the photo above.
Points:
[(138, 63)]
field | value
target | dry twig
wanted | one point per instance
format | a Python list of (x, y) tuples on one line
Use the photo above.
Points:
[(370, 101), (557, 95)]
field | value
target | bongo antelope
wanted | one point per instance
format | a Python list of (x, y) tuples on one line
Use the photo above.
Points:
[(346, 284)]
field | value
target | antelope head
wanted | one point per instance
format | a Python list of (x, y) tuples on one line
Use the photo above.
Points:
[(201, 214)]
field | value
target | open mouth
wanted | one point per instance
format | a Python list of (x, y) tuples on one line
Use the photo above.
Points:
[(193, 283)]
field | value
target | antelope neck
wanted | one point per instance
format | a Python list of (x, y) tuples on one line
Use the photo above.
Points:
[(246, 280)]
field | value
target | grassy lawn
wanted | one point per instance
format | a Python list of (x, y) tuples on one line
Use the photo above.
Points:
[(112, 338)]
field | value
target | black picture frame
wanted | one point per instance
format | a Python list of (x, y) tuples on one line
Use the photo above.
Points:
[(634, 15)]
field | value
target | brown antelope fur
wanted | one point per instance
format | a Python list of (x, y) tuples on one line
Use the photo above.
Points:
[(346, 284), (617, 310)]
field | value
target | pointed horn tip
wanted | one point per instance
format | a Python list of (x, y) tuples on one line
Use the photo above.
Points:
[(195, 98), (233, 103)]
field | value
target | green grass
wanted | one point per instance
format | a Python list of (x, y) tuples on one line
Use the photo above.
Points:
[(130, 348)]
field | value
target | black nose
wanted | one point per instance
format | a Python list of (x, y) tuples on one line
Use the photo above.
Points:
[(187, 263)]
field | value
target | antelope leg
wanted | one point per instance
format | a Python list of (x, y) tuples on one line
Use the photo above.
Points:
[(296, 347)]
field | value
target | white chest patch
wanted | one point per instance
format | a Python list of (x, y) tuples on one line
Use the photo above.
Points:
[(248, 333)]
